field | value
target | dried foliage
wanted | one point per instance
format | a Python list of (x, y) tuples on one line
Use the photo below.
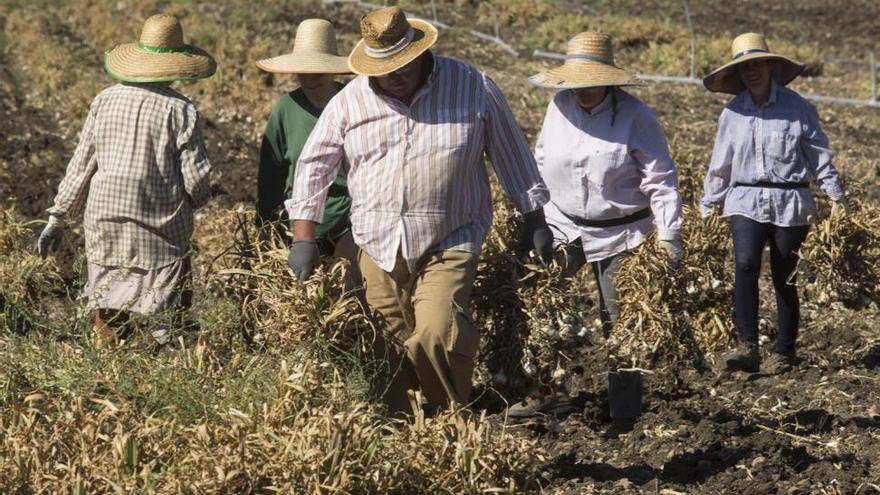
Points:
[(670, 317), (840, 260)]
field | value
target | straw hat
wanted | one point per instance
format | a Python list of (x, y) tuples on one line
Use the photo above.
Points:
[(159, 56), (314, 52), (389, 42), (589, 62), (750, 46)]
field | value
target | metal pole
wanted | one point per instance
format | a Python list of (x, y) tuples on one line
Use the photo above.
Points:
[(687, 15), (873, 76), (434, 10), (495, 21)]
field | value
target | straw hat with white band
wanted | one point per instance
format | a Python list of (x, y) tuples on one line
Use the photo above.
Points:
[(390, 41), (159, 56), (314, 52), (589, 62), (750, 46)]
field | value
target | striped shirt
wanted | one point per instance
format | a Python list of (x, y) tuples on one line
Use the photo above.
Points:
[(599, 171), (779, 142), (140, 168), (417, 177)]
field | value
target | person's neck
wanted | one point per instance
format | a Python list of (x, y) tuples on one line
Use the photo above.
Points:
[(320, 96), (760, 96)]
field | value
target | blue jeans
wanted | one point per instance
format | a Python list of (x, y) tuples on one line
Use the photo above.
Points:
[(749, 239)]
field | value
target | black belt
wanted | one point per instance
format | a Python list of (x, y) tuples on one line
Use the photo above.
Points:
[(612, 222), (777, 185)]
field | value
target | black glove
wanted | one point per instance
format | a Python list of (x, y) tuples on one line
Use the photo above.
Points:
[(303, 258), (538, 235)]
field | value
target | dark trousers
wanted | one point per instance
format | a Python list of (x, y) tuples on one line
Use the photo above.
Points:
[(604, 270), (749, 239)]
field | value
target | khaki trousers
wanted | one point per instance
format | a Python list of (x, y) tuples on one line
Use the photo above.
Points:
[(430, 342)]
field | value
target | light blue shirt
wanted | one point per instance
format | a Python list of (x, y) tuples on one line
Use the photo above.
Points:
[(780, 142)]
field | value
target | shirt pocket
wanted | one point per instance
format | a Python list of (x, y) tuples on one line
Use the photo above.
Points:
[(782, 146)]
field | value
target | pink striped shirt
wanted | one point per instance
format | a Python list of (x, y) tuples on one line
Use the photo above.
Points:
[(417, 179)]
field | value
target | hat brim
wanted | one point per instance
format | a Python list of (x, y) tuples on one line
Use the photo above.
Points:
[(365, 65), (726, 79), (130, 63), (305, 63), (575, 74)]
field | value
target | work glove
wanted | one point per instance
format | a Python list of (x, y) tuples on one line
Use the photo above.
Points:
[(673, 249), (50, 237), (303, 258), (839, 208), (537, 235)]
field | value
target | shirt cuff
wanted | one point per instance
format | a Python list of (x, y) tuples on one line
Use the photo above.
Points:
[(536, 197), (304, 210), (706, 210), (668, 235), (834, 191)]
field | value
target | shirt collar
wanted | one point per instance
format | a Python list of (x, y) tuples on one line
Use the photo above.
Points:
[(774, 90)]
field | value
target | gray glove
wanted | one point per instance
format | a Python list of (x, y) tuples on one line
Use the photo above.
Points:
[(673, 249), (50, 237), (538, 235), (839, 208), (303, 258)]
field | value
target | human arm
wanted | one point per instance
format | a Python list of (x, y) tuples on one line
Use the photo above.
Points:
[(717, 180), (272, 170), (818, 155), (193, 158), (517, 171)]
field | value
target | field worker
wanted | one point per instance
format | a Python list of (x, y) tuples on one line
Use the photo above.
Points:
[(415, 128), (141, 169), (769, 147), (315, 62), (605, 160)]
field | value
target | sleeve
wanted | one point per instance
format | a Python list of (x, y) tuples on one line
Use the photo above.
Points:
[(659, 176), (82, 166), (318, 165), (272, 169), (193, 158), (818, 154), (508, 150), (717, 180)]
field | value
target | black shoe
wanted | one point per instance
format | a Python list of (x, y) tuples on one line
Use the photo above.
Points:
[(744, 358)]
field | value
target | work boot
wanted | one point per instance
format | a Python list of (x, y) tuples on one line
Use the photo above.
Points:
[(780, 362), (744, 358), (533, 407)]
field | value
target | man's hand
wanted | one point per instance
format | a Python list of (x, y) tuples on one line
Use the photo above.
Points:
[(537, 235), (303, 258), (673, 249), (51, 236)]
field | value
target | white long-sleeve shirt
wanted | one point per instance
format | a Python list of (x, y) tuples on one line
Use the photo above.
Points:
[(598, 171)]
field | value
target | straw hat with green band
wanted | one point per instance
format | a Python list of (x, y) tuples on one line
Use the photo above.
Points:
[(159, 56), (589, 62), (745, 47)]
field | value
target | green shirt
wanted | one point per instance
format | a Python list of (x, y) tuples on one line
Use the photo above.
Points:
[(289, 126)]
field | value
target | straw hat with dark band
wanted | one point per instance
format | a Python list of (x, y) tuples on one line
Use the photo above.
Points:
[(159, 56), (750, 46), (589, 62), (390, 41), (314, 52)]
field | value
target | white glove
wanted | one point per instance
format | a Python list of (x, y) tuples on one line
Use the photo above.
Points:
[(50, 237), (673, 249), (839, 208)]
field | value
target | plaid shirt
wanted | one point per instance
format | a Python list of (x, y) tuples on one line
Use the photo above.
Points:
[(141, 168), (417, 177)]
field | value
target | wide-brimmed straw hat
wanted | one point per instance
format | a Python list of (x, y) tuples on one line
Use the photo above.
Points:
[(160, 55), (589, 62), (745, 47), (314, 52), (389, 42)]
